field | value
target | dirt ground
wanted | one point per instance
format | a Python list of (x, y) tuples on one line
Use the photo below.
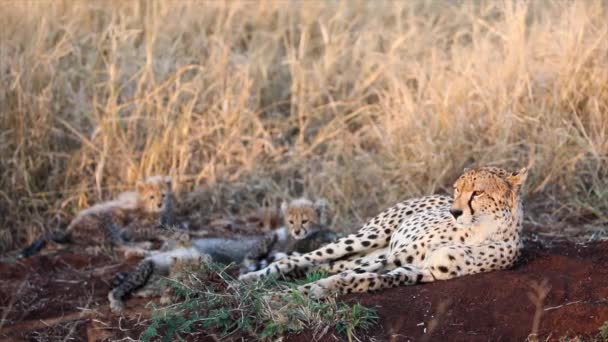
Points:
[(62, 296)]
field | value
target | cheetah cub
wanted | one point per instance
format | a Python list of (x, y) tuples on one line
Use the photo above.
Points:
[(252, 252), (303, 217), (147, 279), (423, 240), (114, 222), (306, 229)]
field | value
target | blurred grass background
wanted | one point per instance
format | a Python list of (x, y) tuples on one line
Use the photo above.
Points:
[(364, 103)]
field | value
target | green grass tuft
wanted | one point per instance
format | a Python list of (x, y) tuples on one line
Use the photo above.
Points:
[(212, 300)]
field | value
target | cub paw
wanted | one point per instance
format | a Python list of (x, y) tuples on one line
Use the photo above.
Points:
[(166, 299), (116, 305)]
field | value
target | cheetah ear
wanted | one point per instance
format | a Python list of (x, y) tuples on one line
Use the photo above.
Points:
[(466, 169), (517, 178), (168, 182), (140, 186), (320, 207), (284, 206)]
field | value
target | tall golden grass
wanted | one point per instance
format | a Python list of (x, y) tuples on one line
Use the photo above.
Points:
[(364, 103)]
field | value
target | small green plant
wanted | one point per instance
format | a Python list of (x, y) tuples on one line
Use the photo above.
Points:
[(355, 317), (604, 331), (602, 336), (209, 298)]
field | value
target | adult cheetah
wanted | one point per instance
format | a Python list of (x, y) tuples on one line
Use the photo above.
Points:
[(423, 240)]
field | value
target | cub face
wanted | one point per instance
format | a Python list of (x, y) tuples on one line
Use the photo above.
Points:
[(153, 192), (301, 217), (486, 193)]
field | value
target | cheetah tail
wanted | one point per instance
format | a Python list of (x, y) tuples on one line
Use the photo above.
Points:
[(133, 281), (38, 244)]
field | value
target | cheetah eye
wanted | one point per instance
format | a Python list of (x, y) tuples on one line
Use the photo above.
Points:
[(151, 196), (304, 221), (162, 196), (478, 193), (290, 221)]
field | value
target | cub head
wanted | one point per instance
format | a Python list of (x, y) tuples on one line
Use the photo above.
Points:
[(485, 193), (301, 216), (153, 192)]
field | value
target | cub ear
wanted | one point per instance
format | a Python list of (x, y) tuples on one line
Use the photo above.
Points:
[(321, 207), (284, 207), (140, 186), (168, 181), (517, 178)]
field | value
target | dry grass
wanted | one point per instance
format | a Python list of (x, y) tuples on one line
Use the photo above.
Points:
[(364, 103)]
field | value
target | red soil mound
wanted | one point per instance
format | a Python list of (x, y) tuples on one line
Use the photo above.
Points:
[(499, 306), (51, 296)]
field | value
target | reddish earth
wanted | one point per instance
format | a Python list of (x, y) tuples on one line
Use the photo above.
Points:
[(63, 294), (498, 306)]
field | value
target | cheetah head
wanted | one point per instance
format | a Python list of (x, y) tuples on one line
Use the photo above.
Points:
[(153, 192), (301, 217), (486, 194)]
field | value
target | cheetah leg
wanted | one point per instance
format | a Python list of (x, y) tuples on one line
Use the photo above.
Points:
[(453, 261), (356, 261), (445, 262), (255, 257), (368, 238), (134, 281), (353, 281)]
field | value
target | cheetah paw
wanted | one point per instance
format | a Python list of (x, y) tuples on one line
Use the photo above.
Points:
[(116, 305), (166, 299), (249, 277)]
